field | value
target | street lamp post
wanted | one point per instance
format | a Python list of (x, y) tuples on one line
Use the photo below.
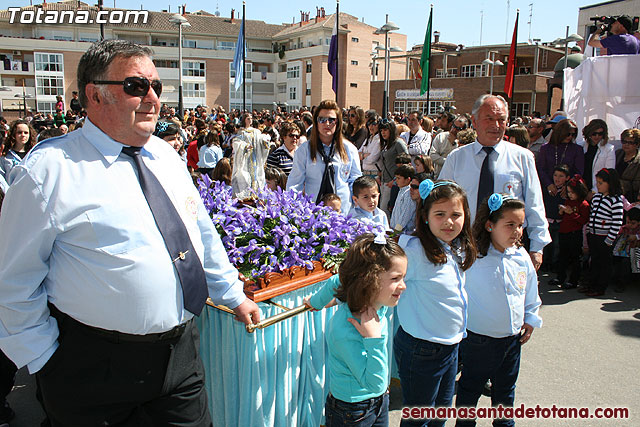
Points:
[(492, 62), (385, 29), (565, 42), (180, 21)]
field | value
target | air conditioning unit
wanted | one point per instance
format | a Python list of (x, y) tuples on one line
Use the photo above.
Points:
[(17, 52)]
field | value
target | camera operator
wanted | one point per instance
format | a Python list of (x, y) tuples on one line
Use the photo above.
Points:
[(622, 42)]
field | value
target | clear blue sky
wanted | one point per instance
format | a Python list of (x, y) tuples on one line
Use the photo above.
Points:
[(457, 20)]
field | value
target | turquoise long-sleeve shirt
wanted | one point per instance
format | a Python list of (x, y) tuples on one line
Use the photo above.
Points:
[(358, 366)]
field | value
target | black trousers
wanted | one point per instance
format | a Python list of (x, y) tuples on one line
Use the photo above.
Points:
[(601, 262), (7, 376), (93, 379), (569, 259)]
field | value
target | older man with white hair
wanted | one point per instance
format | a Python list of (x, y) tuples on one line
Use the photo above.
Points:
[(491, 164)]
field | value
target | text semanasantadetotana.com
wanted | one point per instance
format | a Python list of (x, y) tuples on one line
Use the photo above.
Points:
[(553, 412)]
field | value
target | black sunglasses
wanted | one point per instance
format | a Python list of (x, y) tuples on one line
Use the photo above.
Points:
[(330, 120), (601, 133), (573, 133), (415, 186), (134, 86), (458, 127)]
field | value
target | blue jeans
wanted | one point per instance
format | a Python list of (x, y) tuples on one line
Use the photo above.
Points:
[(486, 358), (371, 412), (427, 374)]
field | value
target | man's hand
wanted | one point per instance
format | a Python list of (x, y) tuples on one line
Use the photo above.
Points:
[(247, 312), (525, 333), (536, 259)]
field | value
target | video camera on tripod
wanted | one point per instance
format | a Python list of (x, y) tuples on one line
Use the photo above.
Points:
[(606, 21)]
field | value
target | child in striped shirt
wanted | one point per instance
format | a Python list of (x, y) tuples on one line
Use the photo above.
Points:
[(604, 224)]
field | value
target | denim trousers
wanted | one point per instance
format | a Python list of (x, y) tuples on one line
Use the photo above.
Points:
[(427, 374), (483, 358), (370, 412)]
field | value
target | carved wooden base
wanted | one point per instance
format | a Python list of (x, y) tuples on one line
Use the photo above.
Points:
[(275, 284)]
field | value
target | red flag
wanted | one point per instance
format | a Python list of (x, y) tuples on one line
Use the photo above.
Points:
[(417, 71), (511, 65)]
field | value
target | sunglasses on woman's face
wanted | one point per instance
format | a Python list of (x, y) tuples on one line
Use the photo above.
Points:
[(330, 120), (573, 134), (415, 186), (600, 133), (627, 142), (134, 86), (294, 136)]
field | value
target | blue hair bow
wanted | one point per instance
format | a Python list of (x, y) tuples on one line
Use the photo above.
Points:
[(427, 186), (161, 127), (496, 200)]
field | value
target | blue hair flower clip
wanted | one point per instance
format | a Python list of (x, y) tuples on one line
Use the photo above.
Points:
[(496, 200), (427, 186), (161, 127)]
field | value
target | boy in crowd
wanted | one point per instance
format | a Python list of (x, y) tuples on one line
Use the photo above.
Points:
[(401, 159), (404, 212), (365, 202), (552, 201), (332, 201)]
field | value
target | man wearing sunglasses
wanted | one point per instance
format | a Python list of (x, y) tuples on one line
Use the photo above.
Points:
[(417, 139), (535, 128), (445, 142), (97, 231)]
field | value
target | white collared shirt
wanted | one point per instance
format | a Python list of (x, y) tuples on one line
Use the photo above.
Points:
[(503, 293), (514, 173), (78, 232)]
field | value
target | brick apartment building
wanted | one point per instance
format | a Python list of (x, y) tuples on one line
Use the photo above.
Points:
[(467, 78), (286, 63)]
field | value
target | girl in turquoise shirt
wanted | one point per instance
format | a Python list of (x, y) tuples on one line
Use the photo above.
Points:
[(371, 279), (433, 313)]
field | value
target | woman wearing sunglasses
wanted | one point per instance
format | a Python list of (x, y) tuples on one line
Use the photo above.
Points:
[(560, 150), (327, 163), (370, 150), (356, 131), (598, 153), (282, 157), (392, 145), (628, 164)]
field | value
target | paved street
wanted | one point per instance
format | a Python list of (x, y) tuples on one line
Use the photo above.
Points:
[(586, 355)]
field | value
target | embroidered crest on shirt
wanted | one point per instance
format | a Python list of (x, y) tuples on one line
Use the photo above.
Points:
[(521, 279), (191, 207)]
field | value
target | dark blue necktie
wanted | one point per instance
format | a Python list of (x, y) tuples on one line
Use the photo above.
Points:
[(174, 233), (485, 185)]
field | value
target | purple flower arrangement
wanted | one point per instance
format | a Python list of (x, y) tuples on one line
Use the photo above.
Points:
[(283, 229)]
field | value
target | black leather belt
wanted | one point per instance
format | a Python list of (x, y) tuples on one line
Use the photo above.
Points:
[(64, 321)]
